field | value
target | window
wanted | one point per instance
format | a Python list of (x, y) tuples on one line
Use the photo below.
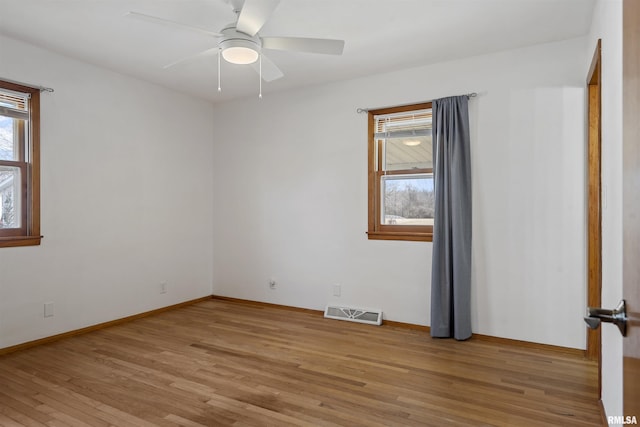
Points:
[(401, 197), (19, 165)]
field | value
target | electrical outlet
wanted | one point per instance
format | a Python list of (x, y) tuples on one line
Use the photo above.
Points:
[(163, 287), (48, 309), (272, 283), (337, 290)]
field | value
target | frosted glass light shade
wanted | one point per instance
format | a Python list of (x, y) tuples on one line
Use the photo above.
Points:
[(240, 55)]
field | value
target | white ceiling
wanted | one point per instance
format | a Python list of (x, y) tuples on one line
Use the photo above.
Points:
[(380, 35)]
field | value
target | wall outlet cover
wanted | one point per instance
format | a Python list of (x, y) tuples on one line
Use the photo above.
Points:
[(48, 309)]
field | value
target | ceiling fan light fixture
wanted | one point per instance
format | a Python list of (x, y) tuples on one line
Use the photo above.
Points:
[(240, 52)]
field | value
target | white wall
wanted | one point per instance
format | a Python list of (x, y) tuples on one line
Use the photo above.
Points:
[(126, 199), (290, 184), (607, 25)]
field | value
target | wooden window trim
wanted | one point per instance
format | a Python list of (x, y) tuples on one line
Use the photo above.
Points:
[(376, 230), (29, 234)]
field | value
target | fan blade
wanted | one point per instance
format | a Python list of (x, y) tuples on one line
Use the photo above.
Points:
[(301, 44), (197, 55), (236, 5), (163, 21), (270, 71), (254, 14)]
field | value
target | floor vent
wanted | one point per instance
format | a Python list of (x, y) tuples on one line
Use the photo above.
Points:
[(361, 315)]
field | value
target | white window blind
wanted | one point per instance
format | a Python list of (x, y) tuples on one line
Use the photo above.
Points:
[(14, 104), (403, 125)]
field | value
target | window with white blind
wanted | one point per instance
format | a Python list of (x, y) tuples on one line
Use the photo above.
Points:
[(19, 165), (401, 191)]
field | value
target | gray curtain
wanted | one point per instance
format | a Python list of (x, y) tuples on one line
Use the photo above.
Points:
[(451, 264)]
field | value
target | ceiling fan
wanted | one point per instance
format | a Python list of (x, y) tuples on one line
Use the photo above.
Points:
[(240, 43)]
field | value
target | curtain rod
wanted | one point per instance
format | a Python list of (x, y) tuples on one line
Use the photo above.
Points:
[(366, 110), (41, 88)]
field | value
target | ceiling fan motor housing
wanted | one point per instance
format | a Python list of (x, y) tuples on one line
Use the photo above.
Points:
[(238, 47)]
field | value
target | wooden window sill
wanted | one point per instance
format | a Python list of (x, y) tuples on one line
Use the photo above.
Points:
[(7, 242), (399, 235)]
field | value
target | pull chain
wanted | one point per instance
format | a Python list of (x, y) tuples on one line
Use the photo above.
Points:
[(260, 64), (219, 55)]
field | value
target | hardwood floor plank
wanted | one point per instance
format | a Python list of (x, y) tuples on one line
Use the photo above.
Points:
[(17, 416), (229, 363), (183, 421), (8, 422)]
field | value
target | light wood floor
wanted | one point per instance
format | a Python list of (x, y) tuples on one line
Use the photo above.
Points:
[(223, 363)]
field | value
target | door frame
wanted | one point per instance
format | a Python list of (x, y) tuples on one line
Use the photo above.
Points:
[(594, 204), (631, 205)]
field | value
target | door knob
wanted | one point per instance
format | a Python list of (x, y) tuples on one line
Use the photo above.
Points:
[(617, 316)]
